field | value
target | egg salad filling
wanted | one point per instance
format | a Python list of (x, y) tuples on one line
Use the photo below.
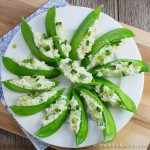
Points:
[(107, 94), (87, 41), (45, 44), (74, 72), (94, 109), (33, 63), (35, 99), (119, 69), (33, 82), (105, 54), (55, 110), (75, 116), (66, 48)]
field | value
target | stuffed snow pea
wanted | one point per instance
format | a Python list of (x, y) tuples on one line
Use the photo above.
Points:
[(120, 67), (99, 113), (72, 70), (33, 103), (29, 66), (55, 30), (105, 46), (25, 84), (83, 38), (111, 93), (40, 44), (78, 119), (56, 115)]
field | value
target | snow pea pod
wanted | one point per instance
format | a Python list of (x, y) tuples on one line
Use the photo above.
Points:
[(52, 127), (82, 30), (50, 23), (82, 133), (29, 38), (110, 38), (34, 80), (109, 131), (125, 101), (20, 70), (120, 67), (30, 110)]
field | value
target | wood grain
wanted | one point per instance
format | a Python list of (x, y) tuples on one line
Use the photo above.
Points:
[(110, 6), (135, 13), (137, 131)]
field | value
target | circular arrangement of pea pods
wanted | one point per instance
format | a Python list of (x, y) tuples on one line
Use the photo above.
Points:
[(112, 37)]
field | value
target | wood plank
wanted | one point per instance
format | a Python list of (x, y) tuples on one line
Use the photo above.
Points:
[(110, 6), (11, 12), (137, 125), (135, 13)]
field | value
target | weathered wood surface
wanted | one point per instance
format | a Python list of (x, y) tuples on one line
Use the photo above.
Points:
[(133, 12)]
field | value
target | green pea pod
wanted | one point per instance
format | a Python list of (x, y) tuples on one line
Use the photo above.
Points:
[(110, 127), (111, 37), (30, 110), (82, 133), (57, 123), (125, 101), (51, 29), (19, 70), (23, 89), (82, 30), (110, 70), (28, 37)]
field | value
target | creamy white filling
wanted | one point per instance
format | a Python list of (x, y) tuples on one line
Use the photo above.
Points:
[(36, 82), (105, 54), (74, 72), (107, 94), (55, 110), (119, 69), (35, 99), (66, 48), (75, 116), (45, 45), (32, 63), (87, 41), (94, 109)]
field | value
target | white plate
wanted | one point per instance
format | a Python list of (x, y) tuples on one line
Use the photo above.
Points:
[(131, 85)]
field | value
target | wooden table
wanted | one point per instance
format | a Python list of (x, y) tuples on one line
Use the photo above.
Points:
[(133, 12)]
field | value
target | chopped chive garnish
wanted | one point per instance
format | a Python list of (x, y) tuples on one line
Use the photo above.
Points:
[(58, 23), (98, 109), (107, 52), (82, 76), (65, 42), (124, 73), (69, 63), (73, 71), (45, 36), (14, 46), (87, 42), (46, 48), (130, 63)]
